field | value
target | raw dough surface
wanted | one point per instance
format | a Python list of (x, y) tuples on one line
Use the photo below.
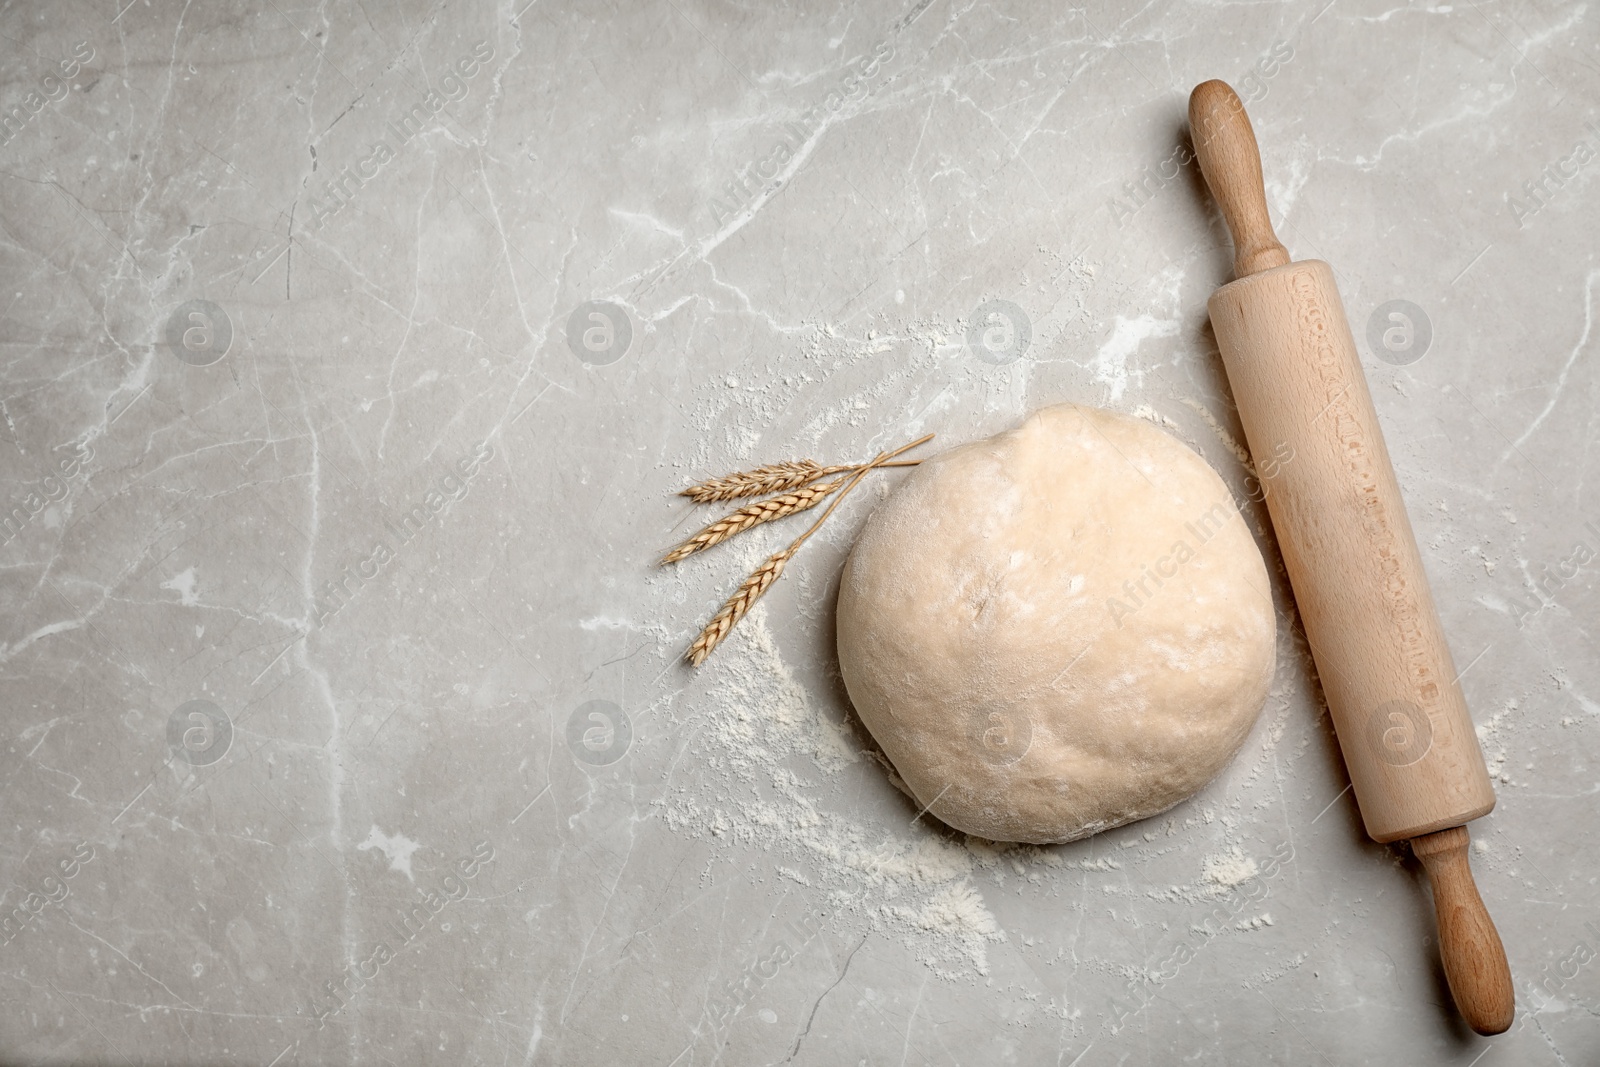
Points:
[(1057, 630)]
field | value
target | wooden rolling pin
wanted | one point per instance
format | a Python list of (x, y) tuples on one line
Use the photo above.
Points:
[(1402, 723)]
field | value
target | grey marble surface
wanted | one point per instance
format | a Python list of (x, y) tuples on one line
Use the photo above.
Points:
[(353, 353)]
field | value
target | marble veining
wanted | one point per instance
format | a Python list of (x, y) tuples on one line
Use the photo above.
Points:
[(354, 355)]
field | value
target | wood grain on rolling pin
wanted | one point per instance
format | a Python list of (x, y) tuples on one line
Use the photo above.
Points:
[(1391, 685)]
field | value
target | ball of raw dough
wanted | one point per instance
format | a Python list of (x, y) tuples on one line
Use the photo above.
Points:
[(1057, 630)]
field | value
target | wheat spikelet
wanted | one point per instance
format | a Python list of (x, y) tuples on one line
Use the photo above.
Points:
[(761, 511), (738, 604), (758, 583), (773, 478)]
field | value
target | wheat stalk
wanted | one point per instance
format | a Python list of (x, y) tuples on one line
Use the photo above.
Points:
[(761, 511), (753, 587), (735, 607), (772, 478)]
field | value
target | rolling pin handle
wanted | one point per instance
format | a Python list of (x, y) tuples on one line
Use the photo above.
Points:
[(1474, 960), (1226, 147)]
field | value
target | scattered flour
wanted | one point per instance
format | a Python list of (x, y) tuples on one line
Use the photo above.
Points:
[(1491, 735), (1150, 414), (757, 742), (959, 910), (1229, 869), (1241, 453)]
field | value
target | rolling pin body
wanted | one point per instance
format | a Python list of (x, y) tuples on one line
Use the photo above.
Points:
[(1402, 722), (1394, 693)]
